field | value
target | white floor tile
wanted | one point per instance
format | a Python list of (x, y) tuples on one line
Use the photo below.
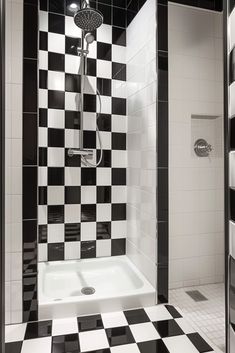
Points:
[(179, 344), (14, 333), (64, 326), (93, 340), (116, 319), (144, 332), (158, 313), (37, 345), (127, 348)]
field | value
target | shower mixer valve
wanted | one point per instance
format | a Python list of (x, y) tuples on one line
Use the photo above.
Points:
[(202, 148)]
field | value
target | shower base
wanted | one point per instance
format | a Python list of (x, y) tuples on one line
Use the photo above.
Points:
[(90, 286)]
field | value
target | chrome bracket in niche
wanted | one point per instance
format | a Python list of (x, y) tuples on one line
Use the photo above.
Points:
[(202, 148)]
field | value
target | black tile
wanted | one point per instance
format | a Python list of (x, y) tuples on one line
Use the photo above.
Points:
[(66, 344), (163, 239), (29, 192), (162, 283), (162, 140), (232, 133), (71, 10), (103, 230), (106, 11), (71, 45), (104, 86), (55, 137), (162, 202), (72, 232), (118, 247), (42, 117), (42, 233), (55, 251), (104, 51), (43, 40), (74, 161), (172, 310), (91, 67), (30, 303), (88, 176), (156, 346), (42, 156), (30, 32), (106, 161), (118, 212), (89, 139), (30, 86), (118, 176), (56, 62), (118, 106), (137, 316), (130, 15), (42, 195), (38, 329), (29, 139), (119, 36), (119, 17), (200, 344), (133, 5), (72, 194), (162, 76), (118, 141), (43, 79), (119, 71), (88, 249), (57, 6), (55, 176), (103, 194), (104, 122), (72, 119), (207, 4), (90, 323), (231, 5), (13, 347), (88, 213), (56, 23), (55, 214), (90, 103), (43, 5), (119, 335), (72, 83), (168, 328), (162, 20), (56, 99), (29, 247)]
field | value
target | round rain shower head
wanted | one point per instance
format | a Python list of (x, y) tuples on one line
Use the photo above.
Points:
[(88, 19)]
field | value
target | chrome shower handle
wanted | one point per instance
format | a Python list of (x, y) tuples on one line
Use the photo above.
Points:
[(202, 148)]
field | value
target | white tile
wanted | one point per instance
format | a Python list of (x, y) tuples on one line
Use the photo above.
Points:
[(103, 212), (88, 231), (43, 60), (93, 340), (72, 138), (42, 137), (179, 344), (118, 54), (72, 64), (43, 21), (144, 332), (90, 85), (16, 150), (119, 159), (106, 140), (158, 313), (43, 98), (119, 123), (119, 229), (186, 327), (106, 103), (103, 248), (104, 69), (56, 43), (72, 250), (72, 176), (16, 265), (64, 326), (71, 29), (126, 348), (55, 233), (42, 176), (42, 252), (42, 214), (72, 213), (115, 319), (16, 298), (88, 194), (55, 195), (14, 333), (55, 157), (37, 345), (72, 101), (89, 122), (56, 80), (104, 34), (103, 176)]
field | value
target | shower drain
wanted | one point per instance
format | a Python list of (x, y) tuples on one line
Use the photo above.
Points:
[(88, 290)]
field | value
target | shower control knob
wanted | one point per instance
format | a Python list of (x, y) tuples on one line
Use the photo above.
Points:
[(202, 148)]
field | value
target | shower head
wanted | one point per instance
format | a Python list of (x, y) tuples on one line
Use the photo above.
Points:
[(88, 19)]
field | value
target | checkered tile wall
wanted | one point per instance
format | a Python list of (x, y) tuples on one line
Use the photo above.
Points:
[(82, 210)]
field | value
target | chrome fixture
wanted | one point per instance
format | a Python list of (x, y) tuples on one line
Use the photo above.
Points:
[(88, 20), (202, 148)]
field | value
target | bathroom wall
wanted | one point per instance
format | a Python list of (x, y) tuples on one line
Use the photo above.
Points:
[(13, 154), (196, 184), (82, 210), (141, 140)]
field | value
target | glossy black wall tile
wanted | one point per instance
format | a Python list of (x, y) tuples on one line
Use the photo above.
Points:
[(29, 192), (30, 33), (30, 303), (216, 5), (29, 139), (29, 86), (29, 247)]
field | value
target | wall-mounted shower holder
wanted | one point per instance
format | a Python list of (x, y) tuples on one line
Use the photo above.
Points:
[(202, 148)]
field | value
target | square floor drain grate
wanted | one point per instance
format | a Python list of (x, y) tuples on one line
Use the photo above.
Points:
[(196, 295)]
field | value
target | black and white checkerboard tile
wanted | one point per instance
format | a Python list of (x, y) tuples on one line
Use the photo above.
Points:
[(158, 329), (82, 210)]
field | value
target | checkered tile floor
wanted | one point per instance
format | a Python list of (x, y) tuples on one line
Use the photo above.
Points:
[(158, 329)]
